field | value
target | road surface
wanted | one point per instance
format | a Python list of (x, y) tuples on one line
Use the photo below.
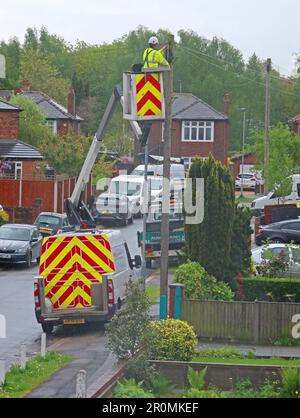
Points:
[(17, 306)]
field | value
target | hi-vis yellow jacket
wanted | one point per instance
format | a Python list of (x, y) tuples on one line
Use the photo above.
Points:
[(153, 58)]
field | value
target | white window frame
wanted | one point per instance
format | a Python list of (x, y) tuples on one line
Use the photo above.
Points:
[(52, 124), (199, 124)]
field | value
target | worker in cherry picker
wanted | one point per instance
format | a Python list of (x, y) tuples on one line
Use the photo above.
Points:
[(153, 56)]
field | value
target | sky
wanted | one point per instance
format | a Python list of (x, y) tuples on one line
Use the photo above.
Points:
[(266, 27)]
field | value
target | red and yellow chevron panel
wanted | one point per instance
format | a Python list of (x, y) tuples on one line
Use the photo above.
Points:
[(148, 95), (71, 264)]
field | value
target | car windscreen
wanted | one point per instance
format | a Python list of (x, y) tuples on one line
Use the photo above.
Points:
[(128, 188), (49, 220), (15, 234)]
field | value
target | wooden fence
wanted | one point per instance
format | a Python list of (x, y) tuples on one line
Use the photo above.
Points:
[(259, 322)]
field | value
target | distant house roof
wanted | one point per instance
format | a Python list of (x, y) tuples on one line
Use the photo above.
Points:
[(6, 94), (186, 106), (52, 109), (7, 107), (15, 149)]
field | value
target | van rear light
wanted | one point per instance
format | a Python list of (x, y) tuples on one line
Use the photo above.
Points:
[(111, 293), (36, 296)]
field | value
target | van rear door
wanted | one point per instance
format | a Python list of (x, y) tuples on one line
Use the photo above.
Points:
[(73, 268)]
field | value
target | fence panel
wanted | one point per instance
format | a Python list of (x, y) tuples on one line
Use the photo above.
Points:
[(260, 322)]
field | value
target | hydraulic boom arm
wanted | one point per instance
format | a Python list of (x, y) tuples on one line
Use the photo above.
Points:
[(77, 212)]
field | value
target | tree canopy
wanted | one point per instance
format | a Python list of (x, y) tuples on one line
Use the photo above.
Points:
[(206, 68)]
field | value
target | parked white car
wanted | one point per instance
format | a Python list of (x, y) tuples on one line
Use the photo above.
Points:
[(247, 181)]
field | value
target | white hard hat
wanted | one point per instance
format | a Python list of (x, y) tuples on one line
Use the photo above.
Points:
[(153, 40)]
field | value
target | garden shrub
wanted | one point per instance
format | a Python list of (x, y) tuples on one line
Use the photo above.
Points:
[(139, 369), (199, 285), (128, 388), (171, 340), (126, 332), (275, 290), (273, 267), (291, 382)]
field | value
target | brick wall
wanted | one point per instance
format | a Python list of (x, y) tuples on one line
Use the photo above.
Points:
[(9, 124), (179, 149), (65, 127)]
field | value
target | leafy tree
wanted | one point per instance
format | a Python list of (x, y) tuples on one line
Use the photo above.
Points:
[(33, 129), (66, 154), (284, 150), (43, 76)]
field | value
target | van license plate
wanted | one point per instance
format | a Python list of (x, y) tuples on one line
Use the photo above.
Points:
[(74, 321), (5, 256)]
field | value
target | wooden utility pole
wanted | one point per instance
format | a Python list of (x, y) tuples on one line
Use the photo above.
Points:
[(267, 121), (164, 261)]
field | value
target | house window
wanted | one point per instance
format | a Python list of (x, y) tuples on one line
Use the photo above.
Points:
[(197, 131), (11, 170), (52, 124)]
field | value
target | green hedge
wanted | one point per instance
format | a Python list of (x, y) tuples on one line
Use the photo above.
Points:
[(275, 290)]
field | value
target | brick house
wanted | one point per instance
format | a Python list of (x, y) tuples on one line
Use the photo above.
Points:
[(17, 159), (60, 119), (197, 130)]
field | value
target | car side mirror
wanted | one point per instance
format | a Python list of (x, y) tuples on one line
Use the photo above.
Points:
[(137, 261), (34, 239)]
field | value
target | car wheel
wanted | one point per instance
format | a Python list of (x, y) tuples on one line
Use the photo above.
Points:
[(28, 260), (47, 327)]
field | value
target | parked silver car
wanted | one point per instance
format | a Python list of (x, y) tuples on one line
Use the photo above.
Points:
[(114, 208)]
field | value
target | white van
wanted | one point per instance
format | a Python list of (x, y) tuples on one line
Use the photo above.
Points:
[(272, 199), (66, 297), (134, 188), (176, 171)]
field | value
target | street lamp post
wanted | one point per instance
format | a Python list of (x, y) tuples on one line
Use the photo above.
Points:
[(243, 151)]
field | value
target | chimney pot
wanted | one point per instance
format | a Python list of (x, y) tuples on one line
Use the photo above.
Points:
[(25, 85)]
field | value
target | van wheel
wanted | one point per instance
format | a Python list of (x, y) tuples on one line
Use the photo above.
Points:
[(47, 327)]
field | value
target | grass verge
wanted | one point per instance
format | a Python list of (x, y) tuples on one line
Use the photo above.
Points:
[(153, 293), (19, 383), (250, 361)]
